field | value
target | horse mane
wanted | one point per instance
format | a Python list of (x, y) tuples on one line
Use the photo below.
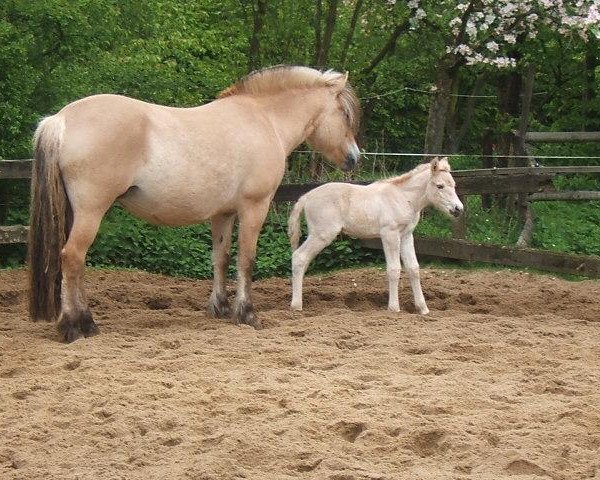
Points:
[(284, 77), (443, 166)]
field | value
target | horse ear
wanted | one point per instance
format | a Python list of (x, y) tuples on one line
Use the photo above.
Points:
[(338, 82), (435, 162)]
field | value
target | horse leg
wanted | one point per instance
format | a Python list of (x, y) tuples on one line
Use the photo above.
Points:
[(391, 248), (251, 219), (409, 259), (301, 259), (75, 317), (222, 227)]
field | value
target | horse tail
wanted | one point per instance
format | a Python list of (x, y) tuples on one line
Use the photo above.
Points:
[(51, 218), (294, 228)]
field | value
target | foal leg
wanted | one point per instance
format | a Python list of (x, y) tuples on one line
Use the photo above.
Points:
[(251, 219), (391, 248), (222, 226), (76, 318), (301, 259), (409, 258)]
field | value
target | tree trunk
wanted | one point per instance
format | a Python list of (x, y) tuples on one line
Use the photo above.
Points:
[(449, 141), (260, 9), (509, 93), (520, 148), (528, 82), (440, 104), (357, 7), (469, 113), (368, 107), (370, 77), (318, 30), (589, 85), (324, 42)]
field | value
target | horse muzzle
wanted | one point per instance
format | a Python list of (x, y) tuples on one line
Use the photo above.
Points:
[(351, 160)]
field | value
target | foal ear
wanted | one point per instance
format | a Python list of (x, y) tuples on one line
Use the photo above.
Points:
[(435, 163)]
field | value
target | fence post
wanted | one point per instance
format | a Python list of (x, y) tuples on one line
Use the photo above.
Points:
[(487, 151), (459, 226)]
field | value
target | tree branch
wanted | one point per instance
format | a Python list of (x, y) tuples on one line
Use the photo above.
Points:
[(350, 34), (387, 48)]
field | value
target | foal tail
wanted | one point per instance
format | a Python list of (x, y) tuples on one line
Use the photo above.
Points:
[(294, 229), (50, 221)]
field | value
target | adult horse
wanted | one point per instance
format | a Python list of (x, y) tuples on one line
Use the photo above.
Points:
[(175, 166)]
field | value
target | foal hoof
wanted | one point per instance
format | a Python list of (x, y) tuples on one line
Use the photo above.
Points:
[(218, 306), (244, 313)]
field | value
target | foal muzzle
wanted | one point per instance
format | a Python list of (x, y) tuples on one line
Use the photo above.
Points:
[(456, 211)]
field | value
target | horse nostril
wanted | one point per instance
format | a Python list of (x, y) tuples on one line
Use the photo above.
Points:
[(351, 161), (457, 211)]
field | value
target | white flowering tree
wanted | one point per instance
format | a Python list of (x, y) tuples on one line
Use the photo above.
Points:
[(491, 33)]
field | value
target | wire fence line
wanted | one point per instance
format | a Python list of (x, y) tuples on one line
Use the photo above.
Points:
[(470, 155), (431, 92)]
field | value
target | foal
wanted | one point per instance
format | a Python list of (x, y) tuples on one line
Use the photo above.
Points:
[(389, 209)]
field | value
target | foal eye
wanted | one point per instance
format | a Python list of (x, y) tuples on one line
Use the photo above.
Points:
[(440, 186)]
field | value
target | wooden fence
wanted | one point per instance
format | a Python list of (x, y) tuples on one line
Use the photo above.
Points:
[(535, 182)]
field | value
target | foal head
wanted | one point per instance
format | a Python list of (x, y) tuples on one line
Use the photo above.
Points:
[(334, 129), (441, 189)]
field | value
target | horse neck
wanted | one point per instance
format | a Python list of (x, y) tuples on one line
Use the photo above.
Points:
[(293, 113)]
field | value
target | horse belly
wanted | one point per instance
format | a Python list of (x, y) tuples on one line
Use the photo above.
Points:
[(176, 207)]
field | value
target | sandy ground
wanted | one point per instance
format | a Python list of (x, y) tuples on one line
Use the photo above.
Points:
[(501, 381)]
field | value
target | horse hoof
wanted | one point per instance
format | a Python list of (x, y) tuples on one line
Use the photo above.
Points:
[(423, 311), (69, 332), (87, 325), (218, 307), (244, 314)]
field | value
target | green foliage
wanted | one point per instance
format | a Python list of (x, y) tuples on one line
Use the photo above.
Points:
[(568, 227), (125, 241)]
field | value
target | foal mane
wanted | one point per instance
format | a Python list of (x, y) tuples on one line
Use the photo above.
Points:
[(285, 77), (443, 166)]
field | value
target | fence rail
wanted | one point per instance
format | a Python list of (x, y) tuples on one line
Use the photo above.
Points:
[(503, 255), (14, 169), (22, 169), (13, 234), (562, 137), (534, 182)]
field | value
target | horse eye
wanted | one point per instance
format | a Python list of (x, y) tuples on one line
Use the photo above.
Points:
[(440, 186)]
